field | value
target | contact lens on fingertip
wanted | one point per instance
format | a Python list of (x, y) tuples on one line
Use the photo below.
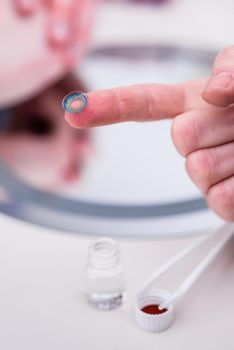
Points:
[(75, 102)]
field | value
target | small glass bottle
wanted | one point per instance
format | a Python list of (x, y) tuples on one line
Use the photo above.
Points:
[(105, 275)]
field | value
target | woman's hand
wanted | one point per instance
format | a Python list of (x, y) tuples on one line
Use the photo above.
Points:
[(37, 138), (31, 59), (64, 20), (202, 128)]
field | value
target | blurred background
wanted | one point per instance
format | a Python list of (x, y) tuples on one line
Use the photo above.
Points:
[(122, 180)]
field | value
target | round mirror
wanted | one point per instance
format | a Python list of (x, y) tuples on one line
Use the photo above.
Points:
[(124, 179)]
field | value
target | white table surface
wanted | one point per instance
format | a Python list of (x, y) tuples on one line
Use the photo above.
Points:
[(43, 305)]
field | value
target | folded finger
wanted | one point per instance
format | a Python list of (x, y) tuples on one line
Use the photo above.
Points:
[(209, 166), (203, 128), (25, 7), (221, 198)]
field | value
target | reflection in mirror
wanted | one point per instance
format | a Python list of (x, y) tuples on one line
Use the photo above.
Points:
[(38, 145)]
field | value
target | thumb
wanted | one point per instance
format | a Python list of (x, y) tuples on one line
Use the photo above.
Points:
[(219, 90)]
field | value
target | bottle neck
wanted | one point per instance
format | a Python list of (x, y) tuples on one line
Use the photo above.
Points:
[(104, 253)]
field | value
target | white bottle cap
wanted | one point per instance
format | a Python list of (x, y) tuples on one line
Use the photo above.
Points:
[(154, 323)]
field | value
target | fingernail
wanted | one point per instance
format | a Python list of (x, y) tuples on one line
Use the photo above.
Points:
[(220, 81), (60, 32), (25, 3), (26, 6)]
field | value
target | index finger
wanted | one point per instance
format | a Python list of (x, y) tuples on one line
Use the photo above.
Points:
[(132, 103)]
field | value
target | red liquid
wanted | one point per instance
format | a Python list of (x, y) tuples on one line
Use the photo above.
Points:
[(153, 309)]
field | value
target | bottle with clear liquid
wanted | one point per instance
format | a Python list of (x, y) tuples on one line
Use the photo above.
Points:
[(105, 275)]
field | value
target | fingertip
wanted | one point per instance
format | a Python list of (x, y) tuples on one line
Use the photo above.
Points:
[(25, 7), (73, 120), (219, 97), (77, 111), (97, 110), (214, 98), (219, 90)]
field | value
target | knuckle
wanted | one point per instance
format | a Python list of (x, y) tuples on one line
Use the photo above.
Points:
[(184, 135), (117, 102)]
